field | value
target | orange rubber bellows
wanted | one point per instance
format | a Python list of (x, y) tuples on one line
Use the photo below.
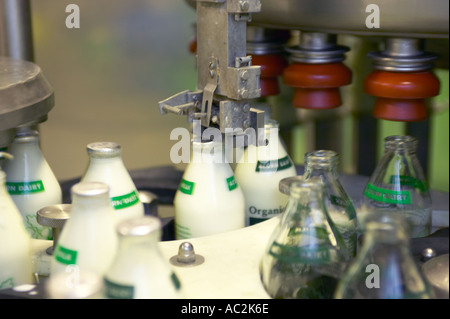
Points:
[(272, 66), (317, 85), (401, 95)]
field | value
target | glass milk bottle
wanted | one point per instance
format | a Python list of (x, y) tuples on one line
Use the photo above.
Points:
[(324, 164), (209, 200), (139, 270), (106, 166), (306, 255), (88, 241), (30, 181), (15, 255), (384, 267), (398, 185), (259, 172)]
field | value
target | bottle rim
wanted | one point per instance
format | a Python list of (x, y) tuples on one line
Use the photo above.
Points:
[(321, 157), (401, 142), (104, 149), (380, 220), (299, 184), (90, 189), (139, 227), (26, 136)]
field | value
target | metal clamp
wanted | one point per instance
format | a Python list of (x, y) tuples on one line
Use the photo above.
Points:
[(208, 91)]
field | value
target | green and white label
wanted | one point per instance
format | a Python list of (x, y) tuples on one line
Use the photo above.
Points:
[(65, 256), (124, 201), (7, 283), (118, 291), (408, 181), (176, 282), (186, 187), (387, 196), (232, 184), (344, 203), (273, 166), (21, 188), (182, 232)]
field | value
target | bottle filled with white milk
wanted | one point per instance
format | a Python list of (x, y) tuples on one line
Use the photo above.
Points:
[(15, 257), (139, 270), (31, 182), (106, 166), (259, 172), (88, 241), (208, 200)]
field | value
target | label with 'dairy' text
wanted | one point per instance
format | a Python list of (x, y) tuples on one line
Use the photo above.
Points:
[(124, 201), (21, 188)]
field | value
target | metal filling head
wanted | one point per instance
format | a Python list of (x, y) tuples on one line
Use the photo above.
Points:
[(104, 149), (403, 55), (317, 48), (90, 189), (139, 227)]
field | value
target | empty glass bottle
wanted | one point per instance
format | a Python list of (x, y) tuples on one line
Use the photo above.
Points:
[(384, 267), (106, 166), (139, 270), (306, 254), (31, 181), (259, 176), (398, 184), (324, 164)]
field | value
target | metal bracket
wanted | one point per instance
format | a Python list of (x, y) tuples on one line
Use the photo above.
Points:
[(183, 103), (208, 92)]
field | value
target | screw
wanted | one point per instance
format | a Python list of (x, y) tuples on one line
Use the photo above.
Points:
[(244, 93), (245, 76), (244, 5)]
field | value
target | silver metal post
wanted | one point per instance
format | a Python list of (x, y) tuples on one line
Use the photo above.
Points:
[(16, 40)]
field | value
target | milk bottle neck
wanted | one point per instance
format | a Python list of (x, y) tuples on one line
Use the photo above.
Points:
[(89, 197), (321, 163)]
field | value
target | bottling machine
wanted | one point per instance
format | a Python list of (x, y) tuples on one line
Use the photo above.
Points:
[(340, 64)]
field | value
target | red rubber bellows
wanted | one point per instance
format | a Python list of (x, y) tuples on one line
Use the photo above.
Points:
[(401, 95), (317, 85), (272, 66), (192, 46)]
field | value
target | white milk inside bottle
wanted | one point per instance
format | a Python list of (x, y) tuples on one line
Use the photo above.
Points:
[(15, 257), (209, 200), (88, 241), (31, 182), (259, 172), (139, 270), (106, 166)]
